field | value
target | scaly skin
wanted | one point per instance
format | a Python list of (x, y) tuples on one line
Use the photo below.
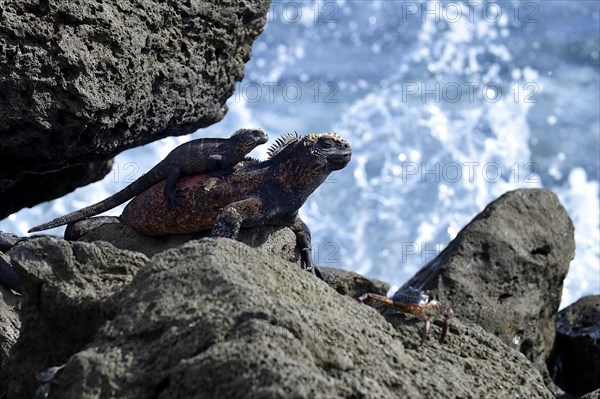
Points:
[(416, 302), (256, 193), (8, 277), (194, 157)]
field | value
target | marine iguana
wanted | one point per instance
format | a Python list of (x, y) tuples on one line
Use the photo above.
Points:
[(256, 193), (197, 156), (8, 277)]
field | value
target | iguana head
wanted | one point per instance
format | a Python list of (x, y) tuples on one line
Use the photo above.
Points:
[(326, 149), (245, 140), (330, 148)]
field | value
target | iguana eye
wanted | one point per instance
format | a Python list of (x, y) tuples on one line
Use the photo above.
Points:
[(326, 144)]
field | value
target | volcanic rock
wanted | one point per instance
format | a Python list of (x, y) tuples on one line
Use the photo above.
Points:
[(216, 318), (505, 270), (575, 366)]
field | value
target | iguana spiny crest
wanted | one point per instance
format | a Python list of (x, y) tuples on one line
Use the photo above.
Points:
[(318, 143)]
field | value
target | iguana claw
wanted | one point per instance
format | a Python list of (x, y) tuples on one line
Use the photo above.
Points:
[(175, 199), (307, 263)]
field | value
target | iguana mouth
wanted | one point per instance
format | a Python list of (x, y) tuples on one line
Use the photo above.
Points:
[(339, 160)]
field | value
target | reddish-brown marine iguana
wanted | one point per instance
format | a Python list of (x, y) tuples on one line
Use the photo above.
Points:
[(256, 193), (206, 155)]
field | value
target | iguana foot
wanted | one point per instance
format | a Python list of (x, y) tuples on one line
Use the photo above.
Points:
[(175, 199), (307, 263), (316, 271)]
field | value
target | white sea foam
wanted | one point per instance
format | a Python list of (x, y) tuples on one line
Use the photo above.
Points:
[(580, 198)]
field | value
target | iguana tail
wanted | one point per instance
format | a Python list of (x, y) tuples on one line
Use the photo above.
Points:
[(146, 181)]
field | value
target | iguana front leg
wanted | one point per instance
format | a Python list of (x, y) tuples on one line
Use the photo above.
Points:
[(173, 196), (230, 218), (303, 240)]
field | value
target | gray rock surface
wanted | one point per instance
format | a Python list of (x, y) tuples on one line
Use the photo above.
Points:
[(7, 240), (68, 295), (353, 284), (9, 323), (505, 270), (216, 318), (83, 81), (575, 366), (277, 240), (592, 395)]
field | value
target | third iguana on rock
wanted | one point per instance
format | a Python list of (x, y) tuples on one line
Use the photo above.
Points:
[(206, 155)]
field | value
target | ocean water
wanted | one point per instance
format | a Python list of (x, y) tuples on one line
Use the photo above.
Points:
[(447, 105)]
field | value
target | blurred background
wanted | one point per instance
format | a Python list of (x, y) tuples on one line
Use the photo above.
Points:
[(447, 105)]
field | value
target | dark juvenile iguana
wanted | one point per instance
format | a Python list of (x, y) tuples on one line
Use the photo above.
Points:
[(207, 155), (256, 193)]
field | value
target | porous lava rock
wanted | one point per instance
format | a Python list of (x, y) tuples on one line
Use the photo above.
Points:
[(68, 294), (505, 270), (217, 318), (278, 240)]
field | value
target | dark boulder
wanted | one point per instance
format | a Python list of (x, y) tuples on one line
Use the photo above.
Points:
[(30, 189), (575, 365), (8, 240), (505, 270), (68, 295), (8, 276)]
